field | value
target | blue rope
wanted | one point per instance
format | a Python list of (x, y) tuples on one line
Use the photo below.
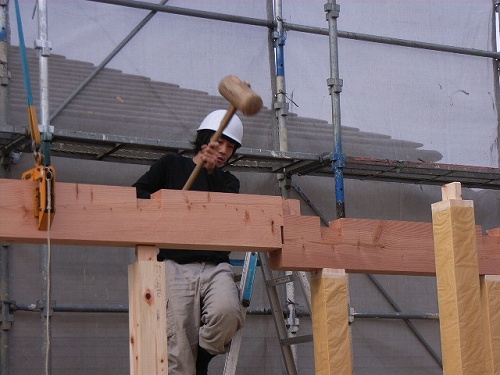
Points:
[(24, 59)]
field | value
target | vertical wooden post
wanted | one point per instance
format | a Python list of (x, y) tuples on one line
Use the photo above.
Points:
[(490, 303), (458, 285), (330, 317), (147, 314)]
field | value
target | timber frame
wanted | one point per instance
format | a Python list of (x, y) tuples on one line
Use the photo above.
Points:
[(465, 262)]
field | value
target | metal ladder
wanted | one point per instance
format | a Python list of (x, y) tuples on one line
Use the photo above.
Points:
[(286, 340)]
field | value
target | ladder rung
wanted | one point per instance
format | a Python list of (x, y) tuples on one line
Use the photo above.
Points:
[(297, 340)]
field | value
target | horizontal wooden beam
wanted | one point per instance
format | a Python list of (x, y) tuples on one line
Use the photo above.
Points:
[(96, 215), (112, 216), (370, 246)]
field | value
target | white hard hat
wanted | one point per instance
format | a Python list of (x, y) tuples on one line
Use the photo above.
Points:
[(233, 130)]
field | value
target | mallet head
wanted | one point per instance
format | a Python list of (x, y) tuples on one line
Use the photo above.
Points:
[(240, 95)]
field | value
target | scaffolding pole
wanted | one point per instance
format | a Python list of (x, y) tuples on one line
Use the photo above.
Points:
[(43, 46), (5, 316), (281, 112), (332, 10)]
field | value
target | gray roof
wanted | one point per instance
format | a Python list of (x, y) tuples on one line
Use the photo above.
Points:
[(128, 105), (130, 118)]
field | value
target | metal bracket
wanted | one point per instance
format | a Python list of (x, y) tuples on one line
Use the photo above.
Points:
[(292, 323), (44, 45), (339, 160), (6, 318), (351, 315), (284, 181), (43, 128), (281, 108), (40, 305), (332, 10), (335, 84), (278, 38)]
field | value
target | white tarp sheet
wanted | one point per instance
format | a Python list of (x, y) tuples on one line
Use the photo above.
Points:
[(444, 101)]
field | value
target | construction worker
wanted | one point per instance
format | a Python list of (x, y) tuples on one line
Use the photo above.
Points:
[(203, 305)]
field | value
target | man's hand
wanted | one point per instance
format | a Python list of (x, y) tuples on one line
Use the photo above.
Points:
[(210, 156)]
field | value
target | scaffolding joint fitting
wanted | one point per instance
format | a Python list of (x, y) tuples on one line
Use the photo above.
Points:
[(332, 10), (40, 305), (292, 324), (351, 315), (44, 46), (339, 160), (47, 130), (6, 318), (335, 84), (278, 38), (4, 76), (284, 181), (281, 108)]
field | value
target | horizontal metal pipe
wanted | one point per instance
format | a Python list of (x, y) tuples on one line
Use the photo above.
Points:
[(301, 28), (394, 41), (395, 315), (58, 307), (188, 12)]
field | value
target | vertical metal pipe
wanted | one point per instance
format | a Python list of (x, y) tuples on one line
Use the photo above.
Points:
[(280, 103), (45, 314), (5, 316), (43, 46), (281, 111), (496, 66), (4, 61), (332, 10), (281, 106)]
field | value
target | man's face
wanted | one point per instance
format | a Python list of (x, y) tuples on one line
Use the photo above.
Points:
[(225, 149)]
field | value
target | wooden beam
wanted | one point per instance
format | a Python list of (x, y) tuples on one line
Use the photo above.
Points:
[(490, 307), (458, 286), (370, 246), (98, 215), (112, 216), (330, 317), (147, 314)]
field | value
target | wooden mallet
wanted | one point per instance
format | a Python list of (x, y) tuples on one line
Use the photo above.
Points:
[(240, 97)]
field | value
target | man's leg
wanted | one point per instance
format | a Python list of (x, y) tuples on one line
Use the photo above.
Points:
[(183, 317), (221, 311)]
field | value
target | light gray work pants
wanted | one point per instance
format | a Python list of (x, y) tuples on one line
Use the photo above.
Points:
[(203, 308)]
